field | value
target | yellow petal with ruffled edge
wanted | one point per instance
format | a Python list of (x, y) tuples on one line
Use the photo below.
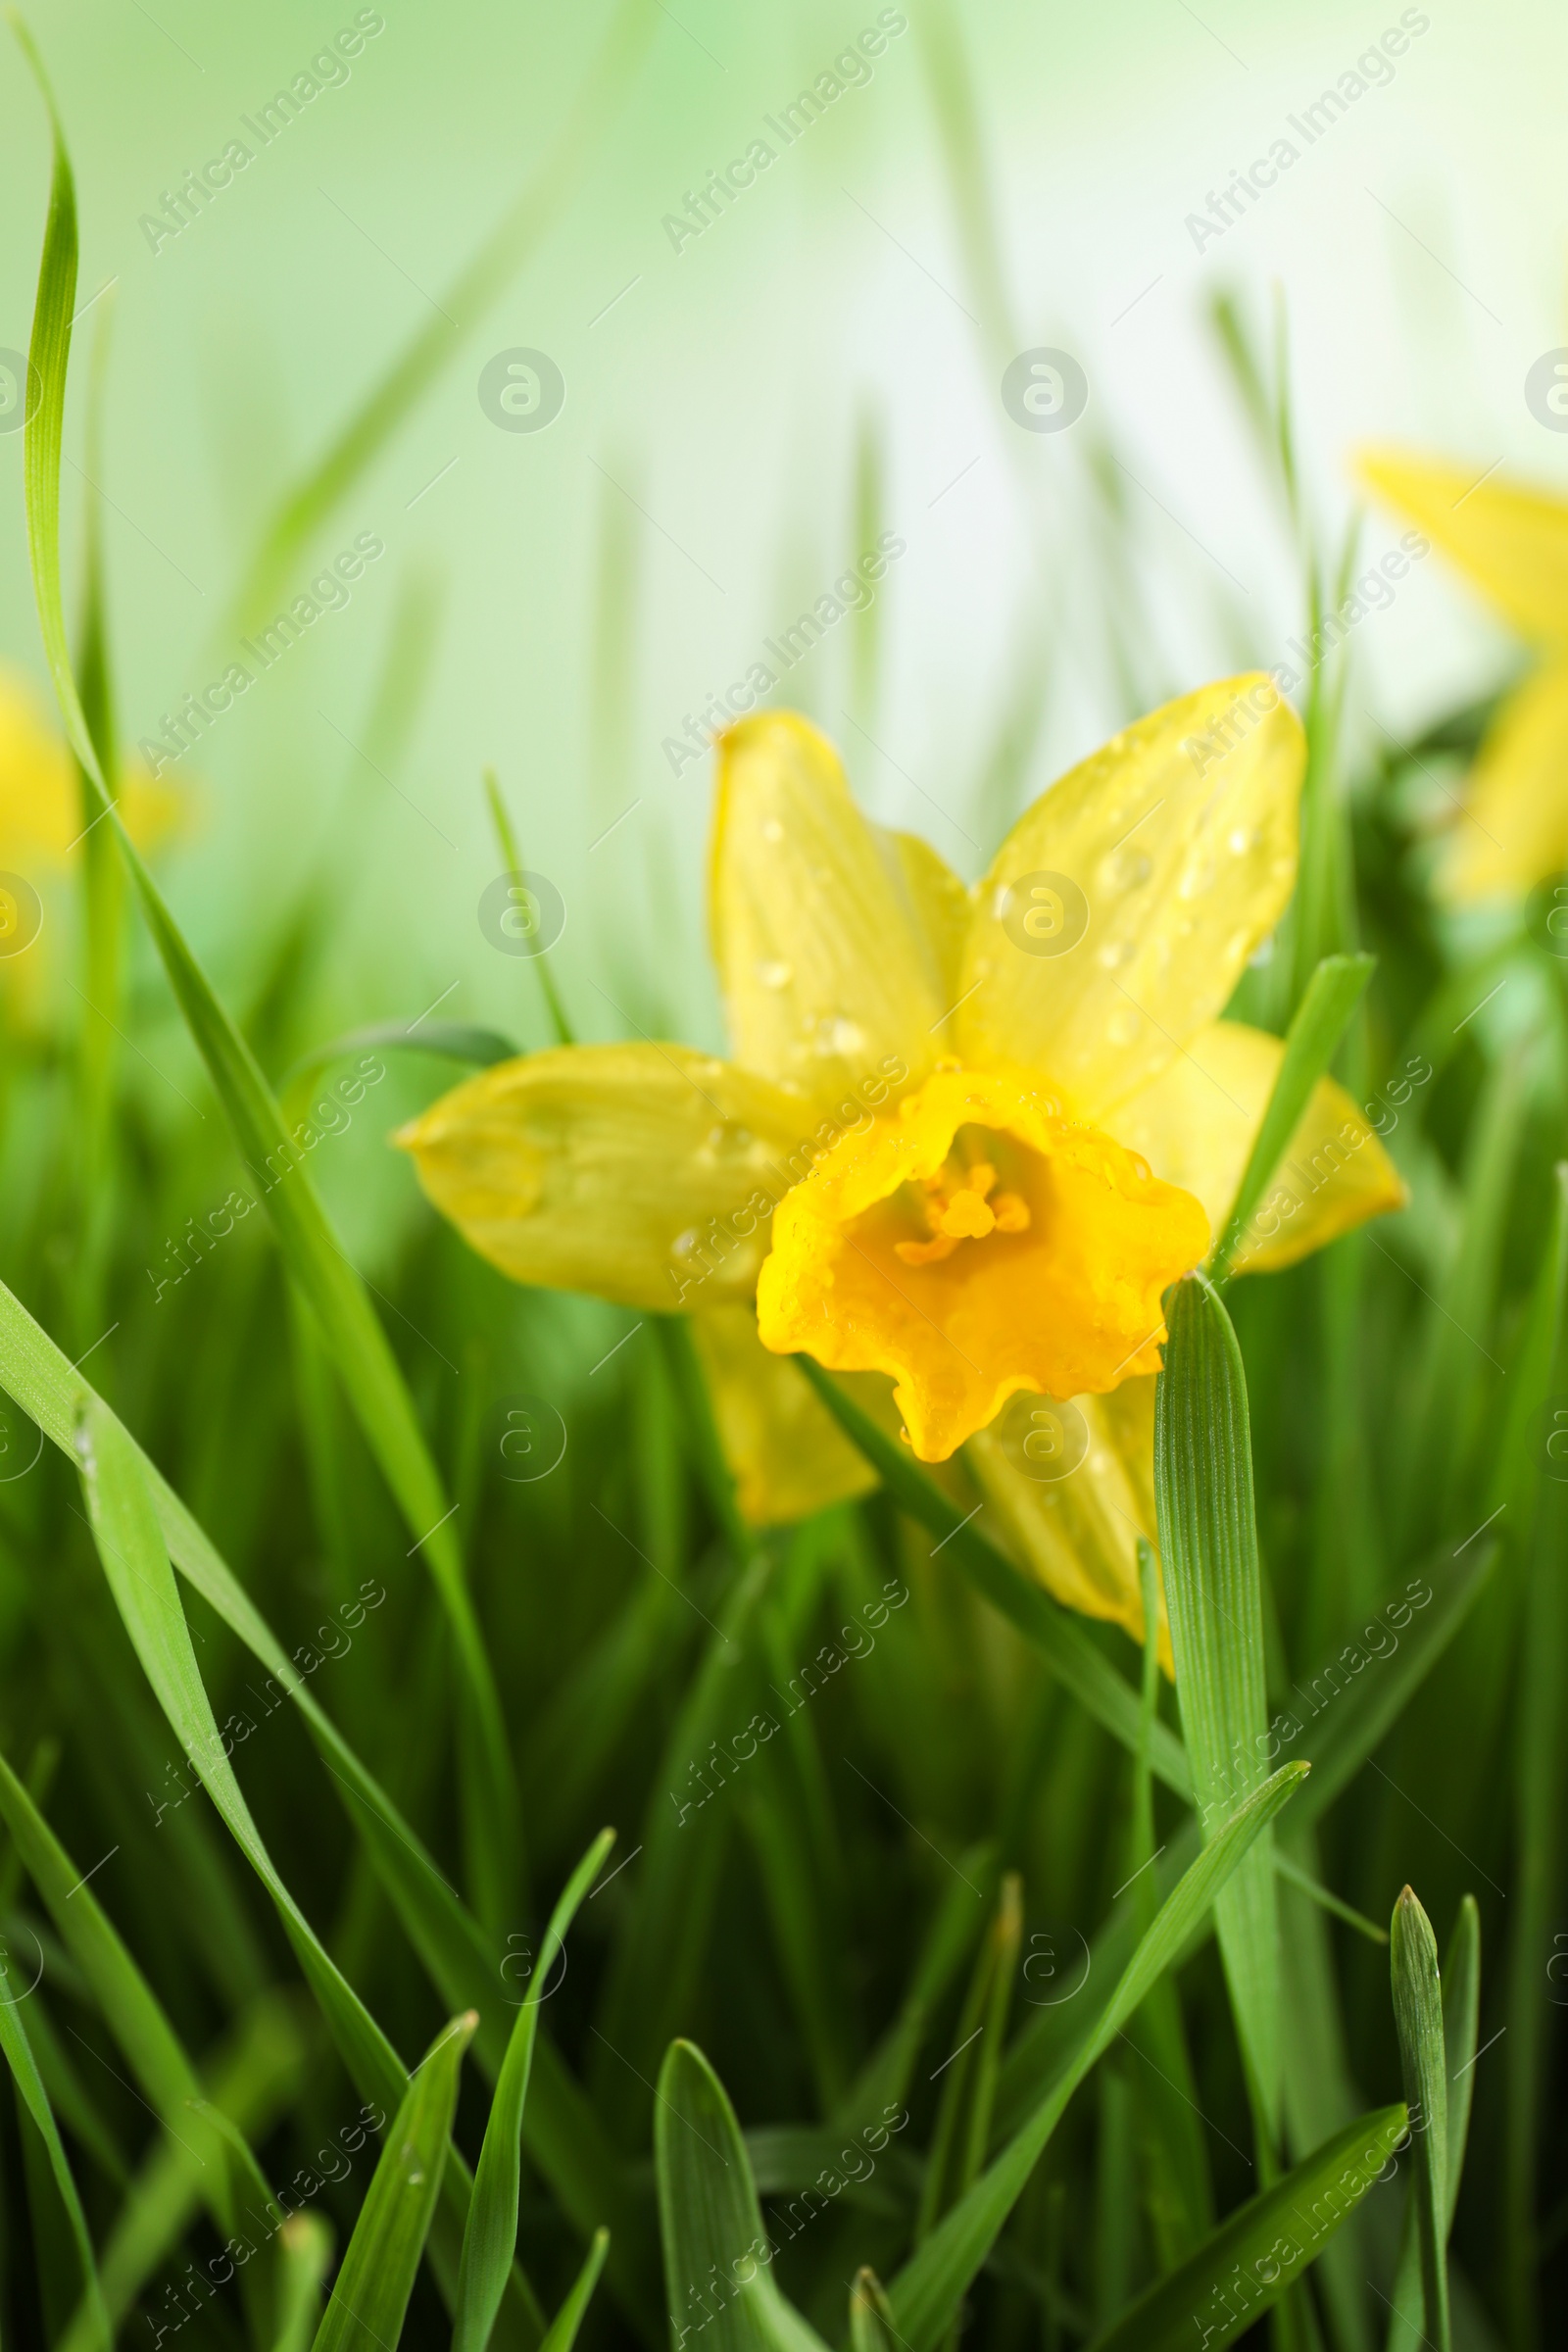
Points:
[(822, 963), (1050, 1283), (1079, 1533), (1511, 541), (643, 1174), (1513, 830), (1196, 1127), (1124, 904), (787, 1455)]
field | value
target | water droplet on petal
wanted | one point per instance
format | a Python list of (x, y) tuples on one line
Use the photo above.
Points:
[(1122, 1027), (772, 830), (1114, 954), (775, 974)]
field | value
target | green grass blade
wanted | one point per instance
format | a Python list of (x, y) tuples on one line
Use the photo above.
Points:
[(463, 302), (371, 2293), (1056, 1632), (1263, 2248), (870, 2314), (962, 2130), (30, 2091), (927, 2292), (512, 855), (1461, 2011), (305, 2245), (563, 2332), (563, 2135), (491, 2236), (451, 1040), (1213, 1594), (1332, 995), (716, 2250), (1418, 2016), (365, 1359)]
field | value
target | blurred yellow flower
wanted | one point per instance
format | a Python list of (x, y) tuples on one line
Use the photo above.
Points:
[(40, 815), (1512, 541), (981, 1129)]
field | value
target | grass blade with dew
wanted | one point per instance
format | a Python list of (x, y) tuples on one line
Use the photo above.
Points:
[(371, 2293), (1418, 2017), (1059, 1637), (564, 2136), (491, 2236), (337, 1297), (307, 504), (1461, 2010), (927, 2293), (710, 2220), (18, 2057), (1213, 1596), (561, 2332), (137, 1569), (1335, 989), (1240, 2272)]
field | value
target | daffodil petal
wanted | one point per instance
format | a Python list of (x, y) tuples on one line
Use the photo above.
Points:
[(1196, 1125), (1079, 1533), (787, 1455), (1124, 904), (1066, 1298), (1510, 540), (825, 975), (41, 812), (643, 1173), (943, 904), (1513, 830)]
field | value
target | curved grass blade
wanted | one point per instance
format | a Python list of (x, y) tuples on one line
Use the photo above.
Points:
[(1332, 995), (501, 818), (870, 2314), (962, 2130), (1418, 2015), (562, 2133), (563, 2331), (304, 2243), (24, 2071), (1213, 1594), (1262, 2249), (926, 2294), (491, 2238), (336, 1295), (717, 2249), (371, 2293), (307, 506), (454, 1041), (1059, 1636)]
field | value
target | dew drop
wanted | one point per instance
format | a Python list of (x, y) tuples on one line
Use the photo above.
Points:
[(1122, 1027), (772, 830), (1127, 869), (775, 974), (1114, 954)]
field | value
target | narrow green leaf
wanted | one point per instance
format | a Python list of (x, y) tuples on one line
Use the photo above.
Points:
[(1059, 1637), (491, 2238), (305, 2245), (1418, 2016), (563, 2331), (365, 1359), (25, 2070), (451, 1040), (963, 2128), (1213, 1594), (1326, 1900), (371, 2293), (717, 2249), (870, 2314), (1461, 2012), (927, 2292), (562, 2133), (1262, 2249), (501, 818), (1332, 995)]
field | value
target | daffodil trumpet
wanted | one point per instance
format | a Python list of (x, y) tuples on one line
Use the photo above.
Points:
[(965, 1137)]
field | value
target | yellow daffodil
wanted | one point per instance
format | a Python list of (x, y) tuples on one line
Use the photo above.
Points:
[(967, 1138), (1512, 543), (41, 820)]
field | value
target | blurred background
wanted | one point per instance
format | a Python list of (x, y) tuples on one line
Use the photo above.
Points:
[(571, 597)]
